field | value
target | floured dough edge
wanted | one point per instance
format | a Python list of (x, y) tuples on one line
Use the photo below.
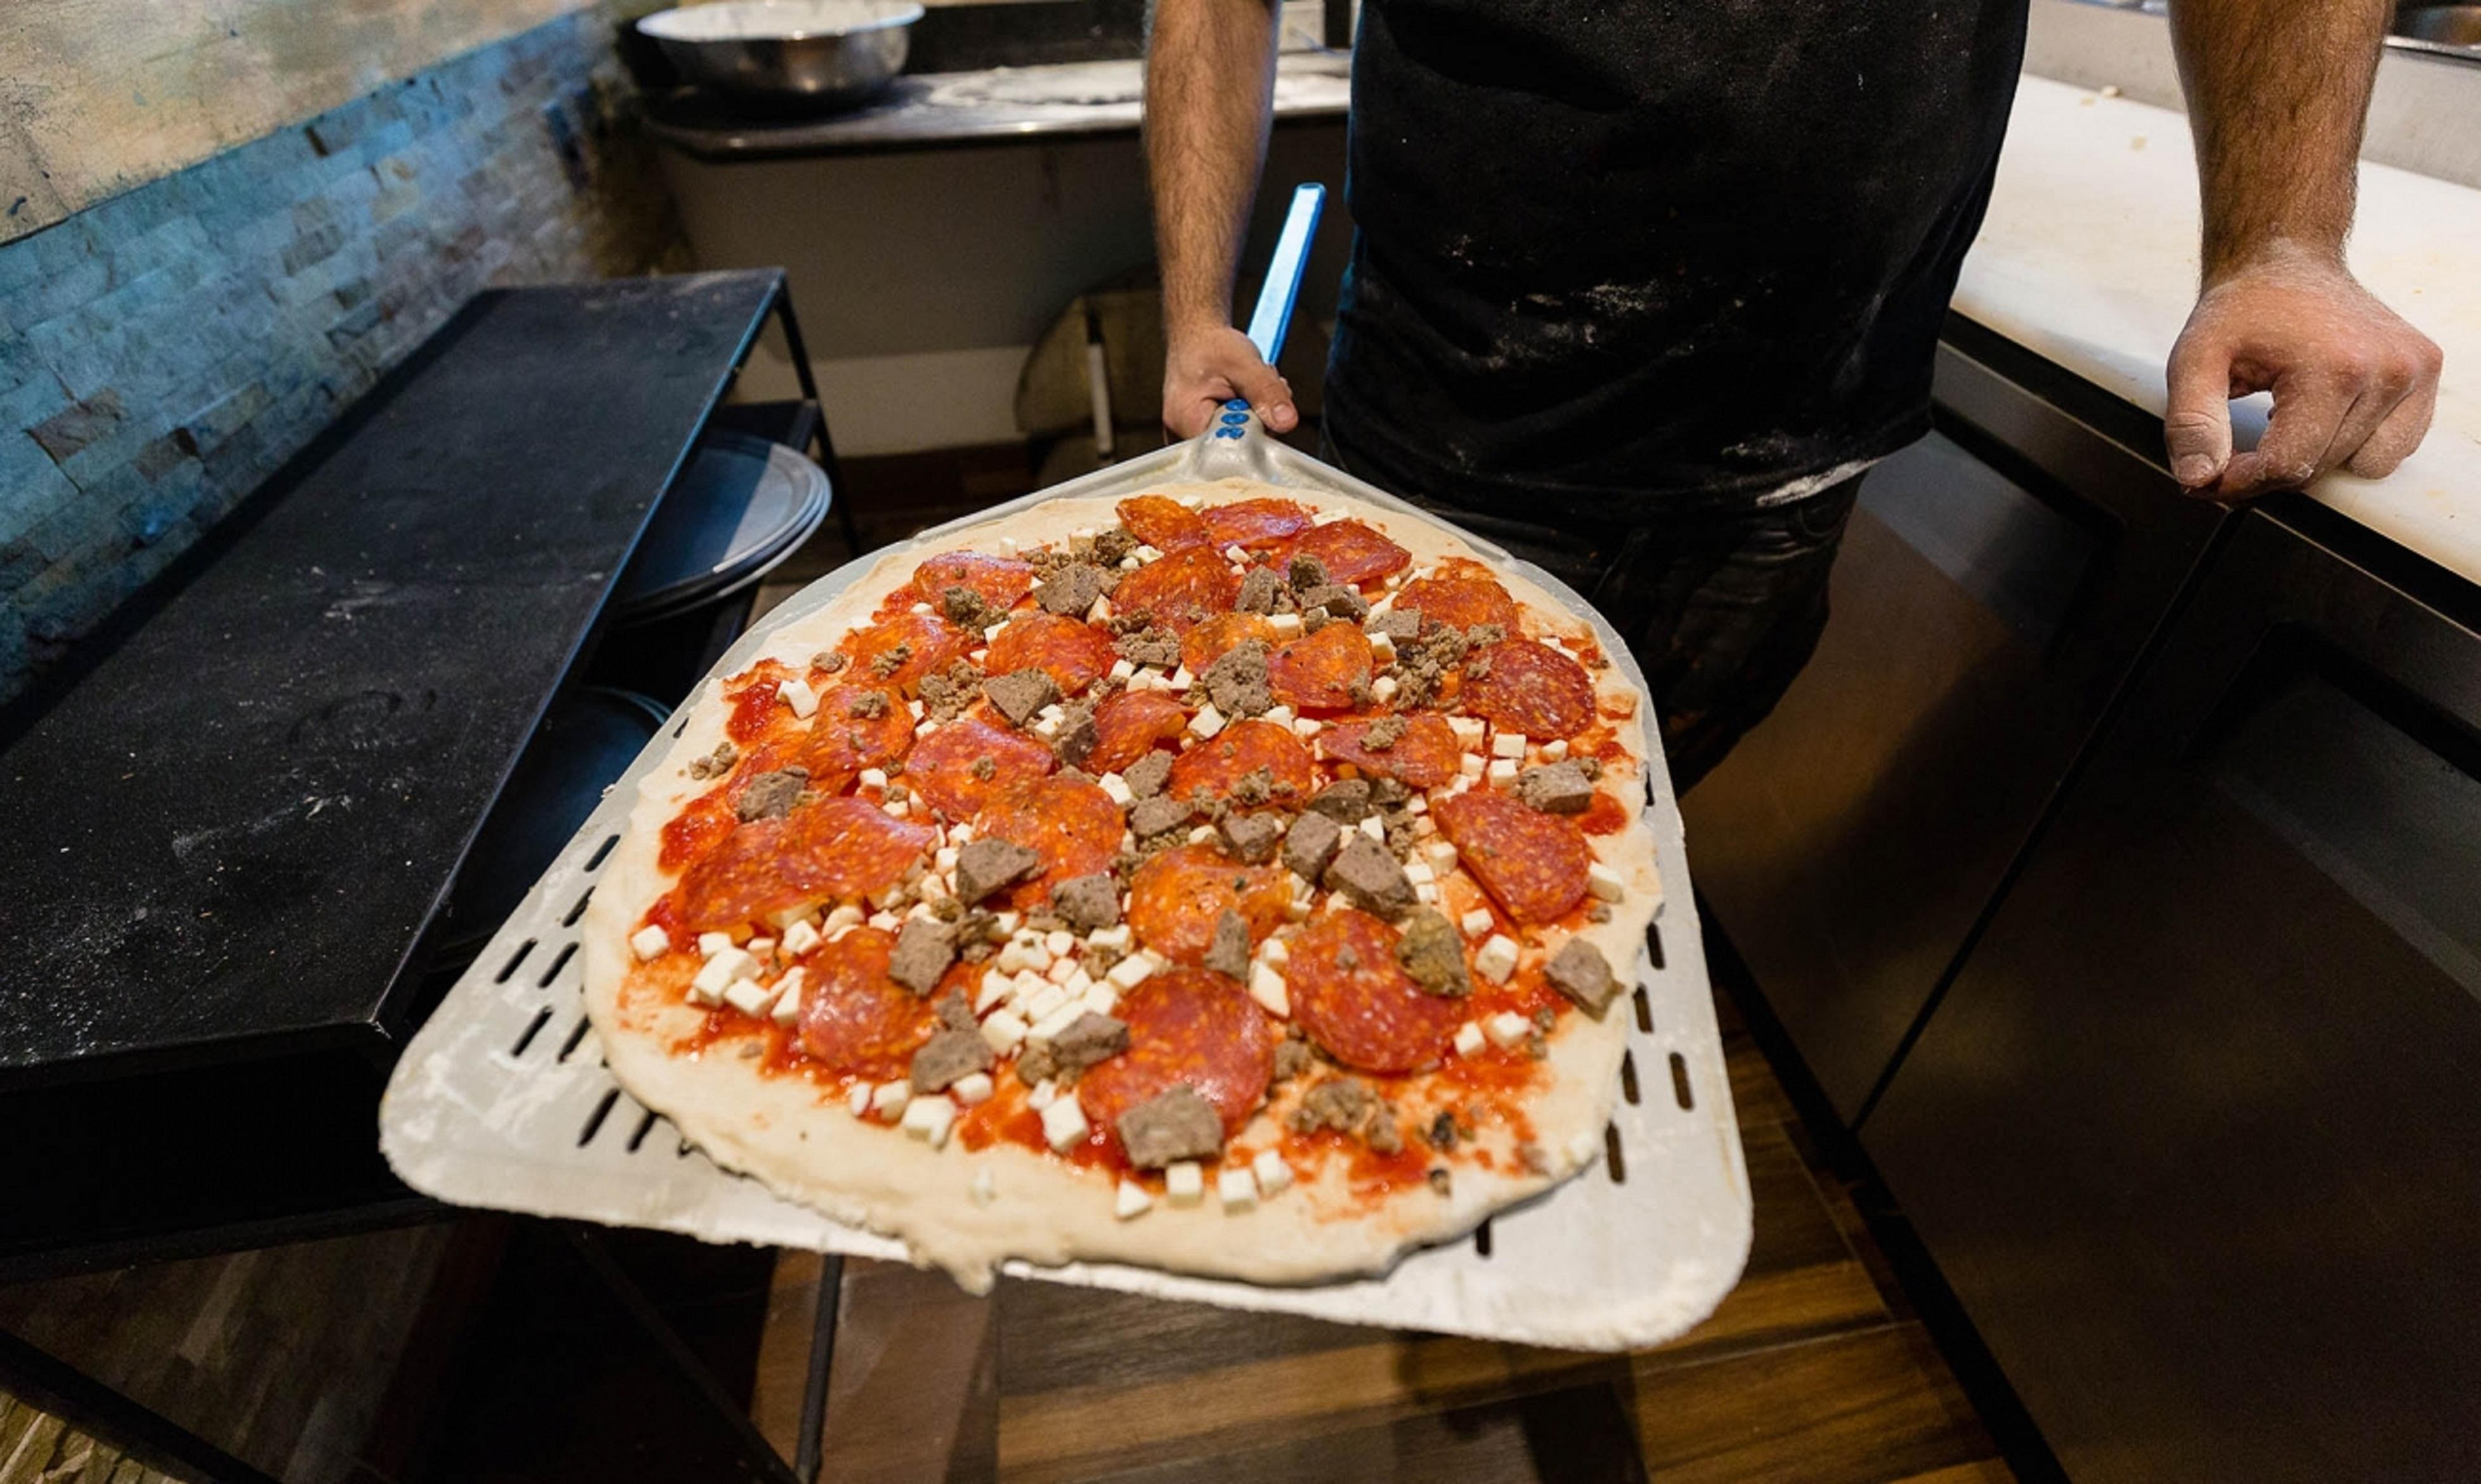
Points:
[(807, 1147)]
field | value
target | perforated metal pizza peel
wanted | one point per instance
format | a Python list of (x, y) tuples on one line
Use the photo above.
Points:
[(502, 1100)]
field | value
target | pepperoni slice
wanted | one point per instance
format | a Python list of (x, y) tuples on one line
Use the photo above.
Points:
[(946, 769), (835, 849), (1218, 764), (1425, 756), (1354, 998), (1176, 897), (1179, 589), (1220, 634), (1462, 594), (756, 708), (1127, 725), (1351, 552), (998, 581), (1531, 687), (854, 1019), (903, 648), (1072, 824), (1072, 652), (1161, 523), (1533, 863), (1184, 1025), (843, 742), (1604, 815), (1254, 525), (1328, 671)]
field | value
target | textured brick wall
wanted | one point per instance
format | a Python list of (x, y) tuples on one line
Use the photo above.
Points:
[(163, 353)]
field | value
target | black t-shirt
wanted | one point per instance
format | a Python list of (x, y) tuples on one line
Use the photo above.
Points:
[(1685, 251)]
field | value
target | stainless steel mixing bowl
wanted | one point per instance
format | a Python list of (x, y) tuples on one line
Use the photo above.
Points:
[(813, 54)]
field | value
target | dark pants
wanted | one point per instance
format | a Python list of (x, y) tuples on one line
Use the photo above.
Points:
[(1722, 607)]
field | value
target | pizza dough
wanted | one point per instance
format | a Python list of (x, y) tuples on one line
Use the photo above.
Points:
[(850, 784)]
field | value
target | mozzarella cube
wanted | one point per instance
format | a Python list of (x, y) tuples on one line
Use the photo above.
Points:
[(1182, 678), (886, 922), (711, 944), (1382, 648), (917, 710), (650, 941), (1273, 1174), (1419, 872), (1306, 726), (874, 778), (1149, 554), (1280, 715), (1502, 771), (1122, 669), (1267, 988), (1060, 940), (992, 635), (1284, 625), (1477, 923), (1131, 972), (1236, 1189), (788, 997), (1468, 731), (1131, 1200), (1100, 998), (800, 939), (1507, 1030), (1040, 1098), (1427, 893), (1118, 789), (920, 608), (995, 987), (1383, 687), (1063, 1125), (1184, 1182), (1469, 765), (720, 974), (1003, 1032), (1604, 883), (1052, 1027), (1060, 972), (1208, 721), (1273, 951), (797, 694), (1469, 1039), (844, 916), (1554, 750), (1099, 610), (971, 1089), (888, 1099), (1201, 834), (748, 996), (1495, 959), (858, 1100), (1044, 1003), (930, 1119)]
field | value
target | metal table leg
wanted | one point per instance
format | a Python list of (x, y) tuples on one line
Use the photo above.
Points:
[(88, 1404), (840, 498), (823, 1360)]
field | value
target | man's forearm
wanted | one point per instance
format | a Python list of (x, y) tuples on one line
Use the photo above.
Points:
[(1209, 90), (2277, 89)]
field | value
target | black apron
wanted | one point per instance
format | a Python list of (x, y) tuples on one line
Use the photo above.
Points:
[(1621, 252)]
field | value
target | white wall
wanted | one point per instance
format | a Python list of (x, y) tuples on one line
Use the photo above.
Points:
[(922, 279)]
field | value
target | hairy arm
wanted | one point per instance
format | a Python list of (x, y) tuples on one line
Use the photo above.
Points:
[(2277, 91), (1210, 93)]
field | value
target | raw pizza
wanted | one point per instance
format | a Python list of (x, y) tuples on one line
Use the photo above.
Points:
[(1228, 880)]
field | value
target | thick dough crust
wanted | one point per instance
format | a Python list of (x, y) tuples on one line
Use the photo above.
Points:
[(806, 1146)]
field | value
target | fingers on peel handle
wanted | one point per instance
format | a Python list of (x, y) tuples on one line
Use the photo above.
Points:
[(1271, 394), (2197, 426)]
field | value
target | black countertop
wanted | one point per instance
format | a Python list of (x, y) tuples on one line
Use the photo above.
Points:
[(226, 838)]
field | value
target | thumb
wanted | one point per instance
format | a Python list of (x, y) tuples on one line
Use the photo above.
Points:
[(2197, 422), (1268, 392)]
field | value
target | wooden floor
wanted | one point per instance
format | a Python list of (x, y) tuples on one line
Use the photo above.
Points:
[(1813, 1369)]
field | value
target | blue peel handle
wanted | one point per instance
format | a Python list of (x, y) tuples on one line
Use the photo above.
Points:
[(1273, 315)]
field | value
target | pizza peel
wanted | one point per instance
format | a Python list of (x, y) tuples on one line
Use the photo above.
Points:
[(502, 1100)]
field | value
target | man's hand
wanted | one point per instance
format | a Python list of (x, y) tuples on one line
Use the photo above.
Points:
[(1205, 368), (2353, 384)]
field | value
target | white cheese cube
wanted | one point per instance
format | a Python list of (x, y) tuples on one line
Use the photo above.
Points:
[(1273, 951), (748, 996), (1053, 713), (1285, 625), (1131, 972), (1307, 726), (1131, 1200), (1182, 678), (1201, 834), (1184, 1182), (651, 942), (1623, 704), (920, 608), (711, 944), (917, 708), (1122, 669), (874, 778), (1116, 936), (995, 988), (1060, 940), (1442, 856), (1130, 563), (1063, 1125), (1427, 893), (1236, 1189), (1099, 610), (1100, 998), (1052, 1027), (1469, 1039), (1416, 804), (888, 1099), (1029, 984), (1419, 872), (1495, 959), (1554, 750), (844, 916), (858, 1100), (1507, 1030), (898, 809), (1476, 924), (1003, 1032), (1604, 883), (1149, 554), (1078, 982), (1045, 1003), (788, 997), (1118, 789), (930, 1119), (1007, 922), (1060, 972), (1468, 731), (797, 694), (886, 922), (1207, 722), (1469, 765), (800, 939), (1421, 824), (971, 1089), (761, 946), (1273, 1174), (1382, 649), (720, 974), (1383, 687), (992, 635), (1040, 1098), (1502, 772), (1267, 988), (1370, 827), (1236, 555)]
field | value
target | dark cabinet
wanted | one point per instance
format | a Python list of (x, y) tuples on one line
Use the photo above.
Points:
[(2195, 1133), (1997, 585)]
